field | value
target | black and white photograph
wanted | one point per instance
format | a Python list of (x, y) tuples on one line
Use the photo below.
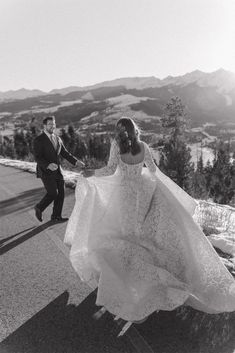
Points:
[(117, 176)]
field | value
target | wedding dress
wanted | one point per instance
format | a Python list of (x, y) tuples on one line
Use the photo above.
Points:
[(132, 235)]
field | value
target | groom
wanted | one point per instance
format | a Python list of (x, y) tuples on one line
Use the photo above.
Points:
[(48, 147)]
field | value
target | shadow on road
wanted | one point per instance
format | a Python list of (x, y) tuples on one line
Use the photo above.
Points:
[(64, 328), (24, 200), (5, 240), (170, 332), (6, 247), (27, 199)]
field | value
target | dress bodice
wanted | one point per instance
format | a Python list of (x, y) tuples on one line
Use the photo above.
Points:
[(129, 170), (116, 164)]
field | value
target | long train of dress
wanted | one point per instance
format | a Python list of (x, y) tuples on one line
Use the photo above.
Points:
[(132, 235)]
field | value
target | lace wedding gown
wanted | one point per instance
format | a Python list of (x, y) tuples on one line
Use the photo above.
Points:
[(133, 236)]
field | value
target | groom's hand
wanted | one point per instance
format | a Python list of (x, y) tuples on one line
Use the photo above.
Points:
[(52, 167)]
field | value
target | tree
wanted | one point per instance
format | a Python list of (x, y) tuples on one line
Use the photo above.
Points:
[(20, 145), (65, 137), (221, 187), (72, 138), (199, 189), (101, 147), (175, 162), (175, 157), (175, 119), (233, 177), (8, 148), (91, 147), (208, 174), (81, 149)]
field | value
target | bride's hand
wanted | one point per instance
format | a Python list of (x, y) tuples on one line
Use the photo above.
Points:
[(88, 172)]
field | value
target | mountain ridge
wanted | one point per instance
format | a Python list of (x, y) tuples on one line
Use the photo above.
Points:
[(224, 80), (208, 98)]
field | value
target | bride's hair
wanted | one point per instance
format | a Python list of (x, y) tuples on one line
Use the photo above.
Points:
[(127, 136)]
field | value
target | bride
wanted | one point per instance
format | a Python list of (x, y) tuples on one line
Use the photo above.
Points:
[(133, 236)]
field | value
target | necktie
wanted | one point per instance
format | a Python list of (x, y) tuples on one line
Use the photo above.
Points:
[(53, 140)]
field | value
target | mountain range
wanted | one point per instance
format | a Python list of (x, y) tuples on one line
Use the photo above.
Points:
[(208, 98)]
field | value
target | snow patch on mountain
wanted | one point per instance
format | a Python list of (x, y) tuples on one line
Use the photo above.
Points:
[(125, 100), (41, 109)]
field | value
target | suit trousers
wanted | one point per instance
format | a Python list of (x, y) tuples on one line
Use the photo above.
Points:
[(55, 192)]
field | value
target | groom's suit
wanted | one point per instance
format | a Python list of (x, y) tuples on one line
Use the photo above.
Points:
[(45, 153)]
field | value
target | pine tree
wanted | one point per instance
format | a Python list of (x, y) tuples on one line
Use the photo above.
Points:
[(199, 189), (91, 147), (101, 147), (233, 177), (80, 148), (200, 167), (65, 137), (8, 149), (221, 187), (20, 145), (208, 174), (175, 119), (72, 139), (175, 157)]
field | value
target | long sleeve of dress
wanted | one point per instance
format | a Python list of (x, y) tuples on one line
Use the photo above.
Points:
[(113, 161), (148, 160)]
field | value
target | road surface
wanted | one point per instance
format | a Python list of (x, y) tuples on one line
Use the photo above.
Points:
[(44, 305)]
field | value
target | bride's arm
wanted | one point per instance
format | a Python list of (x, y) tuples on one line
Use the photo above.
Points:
[(148, 159), (113, 161)]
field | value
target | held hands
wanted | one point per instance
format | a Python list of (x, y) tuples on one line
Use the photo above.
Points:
[(84, 171), (79, 164), (52, 167)]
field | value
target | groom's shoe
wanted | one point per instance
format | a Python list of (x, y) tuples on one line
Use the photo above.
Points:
[(38, 213), (59, 219)]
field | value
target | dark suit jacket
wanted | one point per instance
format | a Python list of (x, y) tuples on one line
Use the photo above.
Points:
[(45, 154)]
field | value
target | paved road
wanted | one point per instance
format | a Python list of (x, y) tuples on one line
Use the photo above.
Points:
[(45, 308), (44, 305)]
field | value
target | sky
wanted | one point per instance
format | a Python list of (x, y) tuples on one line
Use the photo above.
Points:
[(48, 44)]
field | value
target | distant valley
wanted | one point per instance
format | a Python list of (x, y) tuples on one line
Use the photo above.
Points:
[(209, 99)]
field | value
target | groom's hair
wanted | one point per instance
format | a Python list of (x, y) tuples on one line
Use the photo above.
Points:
[(47, 118)]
